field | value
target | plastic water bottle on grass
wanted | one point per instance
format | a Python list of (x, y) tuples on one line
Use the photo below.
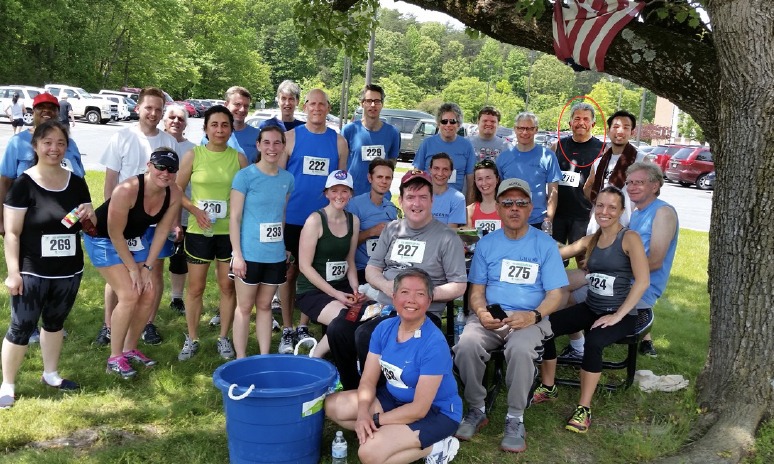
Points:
[(339, 449)]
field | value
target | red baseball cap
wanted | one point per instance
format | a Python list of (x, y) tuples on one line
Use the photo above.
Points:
[(44, 97), (413, 174)]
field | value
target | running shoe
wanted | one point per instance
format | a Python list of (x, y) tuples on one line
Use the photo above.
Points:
[(120, 366), (190, 347), (66, 385), (447, 452), (177, 305), (276, 305), (647, 349), (35, 337), (6, 401), (215, 320), (150, 336), (138, 357), (104, 336), (302, 333), (570, 354), (287, 341), (580, 420), (513, 438), (471, 423), (225, 350), (543, 393), (275, 326)]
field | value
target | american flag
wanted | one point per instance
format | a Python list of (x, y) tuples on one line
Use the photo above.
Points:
[(584, 29)]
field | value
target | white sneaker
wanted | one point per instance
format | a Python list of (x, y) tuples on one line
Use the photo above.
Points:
[(275, 326), (215, 320), (225, 350), (447, 449)]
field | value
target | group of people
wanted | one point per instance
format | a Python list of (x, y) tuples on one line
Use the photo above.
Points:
[(296, 211)]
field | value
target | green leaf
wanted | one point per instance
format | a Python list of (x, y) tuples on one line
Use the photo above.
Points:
[(681, 16)]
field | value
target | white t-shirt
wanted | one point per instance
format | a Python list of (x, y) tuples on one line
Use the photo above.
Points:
[(593, 226), (129, 150)]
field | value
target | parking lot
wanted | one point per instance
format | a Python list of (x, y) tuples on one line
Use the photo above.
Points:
[(693, 206)]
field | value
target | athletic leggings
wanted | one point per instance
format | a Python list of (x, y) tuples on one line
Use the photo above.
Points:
[(580, 317), (50, 298)]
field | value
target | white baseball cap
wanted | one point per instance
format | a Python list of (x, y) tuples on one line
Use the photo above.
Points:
[(340, 178)]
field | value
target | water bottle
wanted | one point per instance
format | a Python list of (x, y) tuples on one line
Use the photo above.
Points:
[(459, 324), (339, 449), (387, 310), (208, 232)]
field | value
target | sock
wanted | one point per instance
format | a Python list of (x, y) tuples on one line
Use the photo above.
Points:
[(177, 296), (482, 409), (577, 345), (518, 418), (302, 327), (52, 378), (7, 389), (287, 329)]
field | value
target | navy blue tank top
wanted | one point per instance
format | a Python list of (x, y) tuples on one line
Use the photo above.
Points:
[(138, 220)]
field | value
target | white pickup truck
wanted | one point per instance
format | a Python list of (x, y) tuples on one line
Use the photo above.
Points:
[(95, 110)]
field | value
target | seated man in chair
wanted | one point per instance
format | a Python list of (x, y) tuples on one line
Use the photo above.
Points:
[(518, 268)]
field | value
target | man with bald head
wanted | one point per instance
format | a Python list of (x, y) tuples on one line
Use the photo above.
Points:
[(312, 152)]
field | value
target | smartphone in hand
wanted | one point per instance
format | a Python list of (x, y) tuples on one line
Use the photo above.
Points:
[(496, 311)]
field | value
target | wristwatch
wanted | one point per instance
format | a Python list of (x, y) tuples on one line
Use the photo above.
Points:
[(376, 420), (538, 316), (150, 268)]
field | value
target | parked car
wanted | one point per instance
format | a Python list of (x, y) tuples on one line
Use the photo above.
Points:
[(507, 133), (689, 166), (95, 110), (123, 109), (708, 183), (410, 141), (26, 95), (198, 106), (131, 95), (662, 154), (645, 149), (414, 126), (188, 107), (132, 106)]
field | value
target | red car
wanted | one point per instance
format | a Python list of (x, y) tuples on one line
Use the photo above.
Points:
[(663, 153), (689, 166), (188, 107)]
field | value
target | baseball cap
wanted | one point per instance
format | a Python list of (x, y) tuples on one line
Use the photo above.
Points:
[(165, 157), (44, 97), (414, 174), (339, 178), (514, 183)]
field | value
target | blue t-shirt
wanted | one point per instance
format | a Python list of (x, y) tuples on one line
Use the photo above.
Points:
[(263, 210), (449, 207), (244, 141), (403, 363), (517, 273), (642, 222), (370, 215), (460, 151), (19, 153), (537, 167), (314, 157), (364, 146)]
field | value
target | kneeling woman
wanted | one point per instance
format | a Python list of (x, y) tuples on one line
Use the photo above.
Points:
[(328, 281), (43, 255), (121, 251), (614, 256), (417, 411)]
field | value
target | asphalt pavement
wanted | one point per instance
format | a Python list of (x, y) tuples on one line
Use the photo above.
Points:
[(693, 206)]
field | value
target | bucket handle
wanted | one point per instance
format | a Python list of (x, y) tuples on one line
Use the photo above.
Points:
[(303, 342), (239, 397)]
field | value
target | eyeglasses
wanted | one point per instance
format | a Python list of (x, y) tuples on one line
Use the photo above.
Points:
[(486, 163), (370, 101), (448, 121), (508, 203), (163, 167), (636, 183), (525, 129)]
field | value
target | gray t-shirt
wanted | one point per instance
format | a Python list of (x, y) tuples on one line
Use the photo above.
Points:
[(434, 248), (488, 149)]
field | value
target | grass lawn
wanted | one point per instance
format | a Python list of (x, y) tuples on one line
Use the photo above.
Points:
[(173, 413)]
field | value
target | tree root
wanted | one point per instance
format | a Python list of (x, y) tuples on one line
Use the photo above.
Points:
[(727, 441)]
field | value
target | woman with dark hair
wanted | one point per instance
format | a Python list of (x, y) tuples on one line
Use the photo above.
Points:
[(482, 214), (257, 224), (43, 256), (15, 113), (210, 169), (615, 257)]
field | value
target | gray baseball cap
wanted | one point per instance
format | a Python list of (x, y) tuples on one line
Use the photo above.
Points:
[(514, 183)]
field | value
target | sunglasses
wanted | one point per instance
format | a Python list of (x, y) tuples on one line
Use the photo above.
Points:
[(448, 121), (521, 203), (487, 163), (163, 167)]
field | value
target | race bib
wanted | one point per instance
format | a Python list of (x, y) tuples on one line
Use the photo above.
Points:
[(408, 251), (392, 374), (314, 166), (335, 270), (371, 245), (271, 232), (57, 245), (214, 207), (453, 177), (135, 244), (601, 284), (369, 152), (570, 179), (518, 272), (488, 225), (67, 164)]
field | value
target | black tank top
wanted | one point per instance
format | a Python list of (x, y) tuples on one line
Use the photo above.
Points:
[(137, 221), (610, 277)]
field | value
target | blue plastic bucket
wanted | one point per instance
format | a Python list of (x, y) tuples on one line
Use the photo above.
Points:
[(279, 418)]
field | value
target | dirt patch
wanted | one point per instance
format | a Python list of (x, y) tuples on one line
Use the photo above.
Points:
[(88, 438)]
